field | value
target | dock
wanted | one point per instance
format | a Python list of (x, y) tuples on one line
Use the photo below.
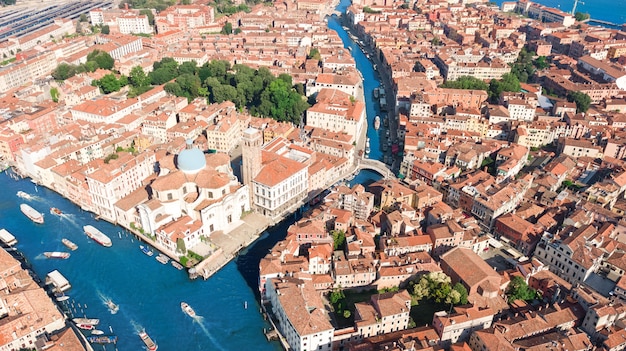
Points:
[(7, 237), (56, 279)]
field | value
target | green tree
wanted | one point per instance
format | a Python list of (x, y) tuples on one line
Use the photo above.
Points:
[(339, 239), (582, 100), (580, 16), (519, 290), (138, 78), (227, 28), (106, 29), (314, 54), (148, 13), (346, 314), (508, 82), (466, 82), (173, 88), (101, 58), (237, 30), (460, 288), (541, 63), (54, 94), (64, 71), (336, 296), (109, 83), (83, 17), (189, 67)]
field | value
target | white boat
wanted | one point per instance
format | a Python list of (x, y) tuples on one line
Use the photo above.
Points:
[(70, 245), (376, 93), (7, 237), (376, 122), (86, 321), (367, 142), (31, 213), (96, 332), (177, 265), (55, 211), (146, 250), (62, 298), (163, 258), (97, 236), (113, 308), (24, 195), (187, 309), (147, 340), (57, 254)]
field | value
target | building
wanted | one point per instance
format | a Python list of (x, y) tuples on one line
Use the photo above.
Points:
[(460, 324)]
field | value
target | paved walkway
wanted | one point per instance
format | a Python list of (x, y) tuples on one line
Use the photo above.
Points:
[(229, 244)]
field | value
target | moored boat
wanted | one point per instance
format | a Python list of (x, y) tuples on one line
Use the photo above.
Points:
[(376, 122), (70, 245), (97, 236), (86, 321), (147, 340), (163, 258), (55, 211), (85, 326), (24, 195), (57, 254), (187, 309), (96, 332), (375, 93), (31, 213), (177, 265), (146, 250), (102, 339)]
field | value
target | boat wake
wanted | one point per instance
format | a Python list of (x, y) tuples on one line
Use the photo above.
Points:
[(200, 321), (113, 308)]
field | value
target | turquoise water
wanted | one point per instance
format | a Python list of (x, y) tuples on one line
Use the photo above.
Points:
[(147, 292), (606, 10)]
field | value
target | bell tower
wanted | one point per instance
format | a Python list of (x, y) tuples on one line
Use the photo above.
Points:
[(251, 156)]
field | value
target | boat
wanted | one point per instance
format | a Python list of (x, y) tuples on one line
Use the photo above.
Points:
[(57, 254), (367, 142), (187, 309), (177, 265), (102, 339), (375, 93), (163, 258), (376, 122), (113, 308), (31, 213), (146, 250), (62, 298), (86, 321), (24, 195), (96, 332), (150, 345), (85, 326), (70, 245), (55, 211), (97, 236), (7, 238)]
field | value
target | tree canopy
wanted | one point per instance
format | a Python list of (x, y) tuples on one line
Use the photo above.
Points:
[(581, 16), (96, 59), (466, 82), (519, 290), (101, 58), (508, 82), (259, 91), (437, 286), (582, 100)]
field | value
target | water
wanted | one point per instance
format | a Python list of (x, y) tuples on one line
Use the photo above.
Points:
[(147, 292), (370, 81), (606, 10)]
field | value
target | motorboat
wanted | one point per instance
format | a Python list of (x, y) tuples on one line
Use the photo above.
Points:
[(113, 308), (376, 122), (146, 250), (177, 265), (97, 236), (90, 321), (187, 309), (70, 245), (55, 211), (57, 254), (96, 332), (31, 213), (24, 195), (163, 258), (147, 340)]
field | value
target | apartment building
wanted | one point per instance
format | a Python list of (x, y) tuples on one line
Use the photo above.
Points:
[(336, 111), (459, 325)]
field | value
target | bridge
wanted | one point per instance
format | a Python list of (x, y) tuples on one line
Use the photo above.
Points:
[(376, 166)]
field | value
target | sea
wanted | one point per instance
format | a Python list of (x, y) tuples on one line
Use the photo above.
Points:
[(149, 293), (613, 11)]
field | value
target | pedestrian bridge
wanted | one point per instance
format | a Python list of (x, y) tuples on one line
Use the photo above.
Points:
[(376, 166)]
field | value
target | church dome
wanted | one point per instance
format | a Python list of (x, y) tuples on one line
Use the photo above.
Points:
[(191, 160)]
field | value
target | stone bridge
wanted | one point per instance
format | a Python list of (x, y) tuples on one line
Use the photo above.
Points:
[(376, 166)]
